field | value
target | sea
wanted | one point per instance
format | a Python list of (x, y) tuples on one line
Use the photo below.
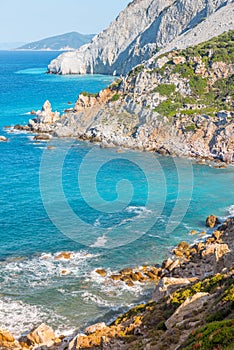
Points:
[(104, 207)]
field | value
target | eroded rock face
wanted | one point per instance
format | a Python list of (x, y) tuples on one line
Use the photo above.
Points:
[(193, 304), (41, 335), (135, 36), (44, 118), (95, 327), (7, 341), (167, 285)]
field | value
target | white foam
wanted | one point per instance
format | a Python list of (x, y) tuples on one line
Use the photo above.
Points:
[(19, 317), (231, 210), (95, 299), (114, 288), (43, 270), (100, 242), (139, 211)]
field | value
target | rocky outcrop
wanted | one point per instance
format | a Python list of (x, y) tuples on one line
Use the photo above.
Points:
[(42, 335), (212, 221), (7, 341), (44, 117), (178, 104), (141, 30)]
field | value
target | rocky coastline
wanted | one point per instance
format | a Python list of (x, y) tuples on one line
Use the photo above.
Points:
[(180, 104), (194, 288)]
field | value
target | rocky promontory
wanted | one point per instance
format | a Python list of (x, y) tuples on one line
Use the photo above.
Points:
[(180, 103), (191, 307)]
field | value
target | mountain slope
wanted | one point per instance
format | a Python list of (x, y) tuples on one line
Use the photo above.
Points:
[(66, 41), (137, 34)]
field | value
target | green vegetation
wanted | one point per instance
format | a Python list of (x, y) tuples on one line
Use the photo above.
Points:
[(214, 330), (207, 285), (115, 97), (168, 108), (198, 85), (191, 127), (85, 93), (214, 96), (220, 48), (215, 335), (137, 70), (115, 85), (184, 70), (165, 89)]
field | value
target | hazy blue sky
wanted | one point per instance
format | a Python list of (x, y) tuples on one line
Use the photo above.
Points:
[(30, 20)]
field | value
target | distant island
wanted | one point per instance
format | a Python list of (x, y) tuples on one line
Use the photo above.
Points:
[(64, 42)]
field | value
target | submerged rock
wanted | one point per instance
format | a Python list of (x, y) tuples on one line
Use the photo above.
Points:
[(42, 137), (3, 139)]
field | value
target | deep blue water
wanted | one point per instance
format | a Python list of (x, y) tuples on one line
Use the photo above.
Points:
[(81, 198)]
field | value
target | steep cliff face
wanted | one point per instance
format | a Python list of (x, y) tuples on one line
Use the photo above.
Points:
[(180, 103), (138, 33)]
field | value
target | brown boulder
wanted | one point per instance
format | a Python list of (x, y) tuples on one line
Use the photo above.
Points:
[(217, 235), (101, 272), (3, 139), (42, 137), (63, 255), (126, 271), (41, 335), (95, 327), (212, 221), (167, 285), (115, 277), (166, 263), (7, 340)]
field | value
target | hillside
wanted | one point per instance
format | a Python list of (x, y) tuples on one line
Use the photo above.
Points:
[(141, 30), (180, 103), (68, 41)]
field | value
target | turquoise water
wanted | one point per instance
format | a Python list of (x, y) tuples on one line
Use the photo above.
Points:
[(110, 209)]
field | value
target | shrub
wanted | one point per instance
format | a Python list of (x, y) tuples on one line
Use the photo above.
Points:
[(165, 89), (137, 70), (191, 127), (198, 85), (185, 70), (215, 335), (167, 108), (115, 97), (85, 93)]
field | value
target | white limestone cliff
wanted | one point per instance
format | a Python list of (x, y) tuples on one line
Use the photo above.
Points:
[(136, 35)]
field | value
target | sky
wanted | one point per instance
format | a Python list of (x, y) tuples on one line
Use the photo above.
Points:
[(31, 20)]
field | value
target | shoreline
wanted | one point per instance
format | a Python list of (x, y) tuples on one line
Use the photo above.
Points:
[(120, 148), (180, 269)]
